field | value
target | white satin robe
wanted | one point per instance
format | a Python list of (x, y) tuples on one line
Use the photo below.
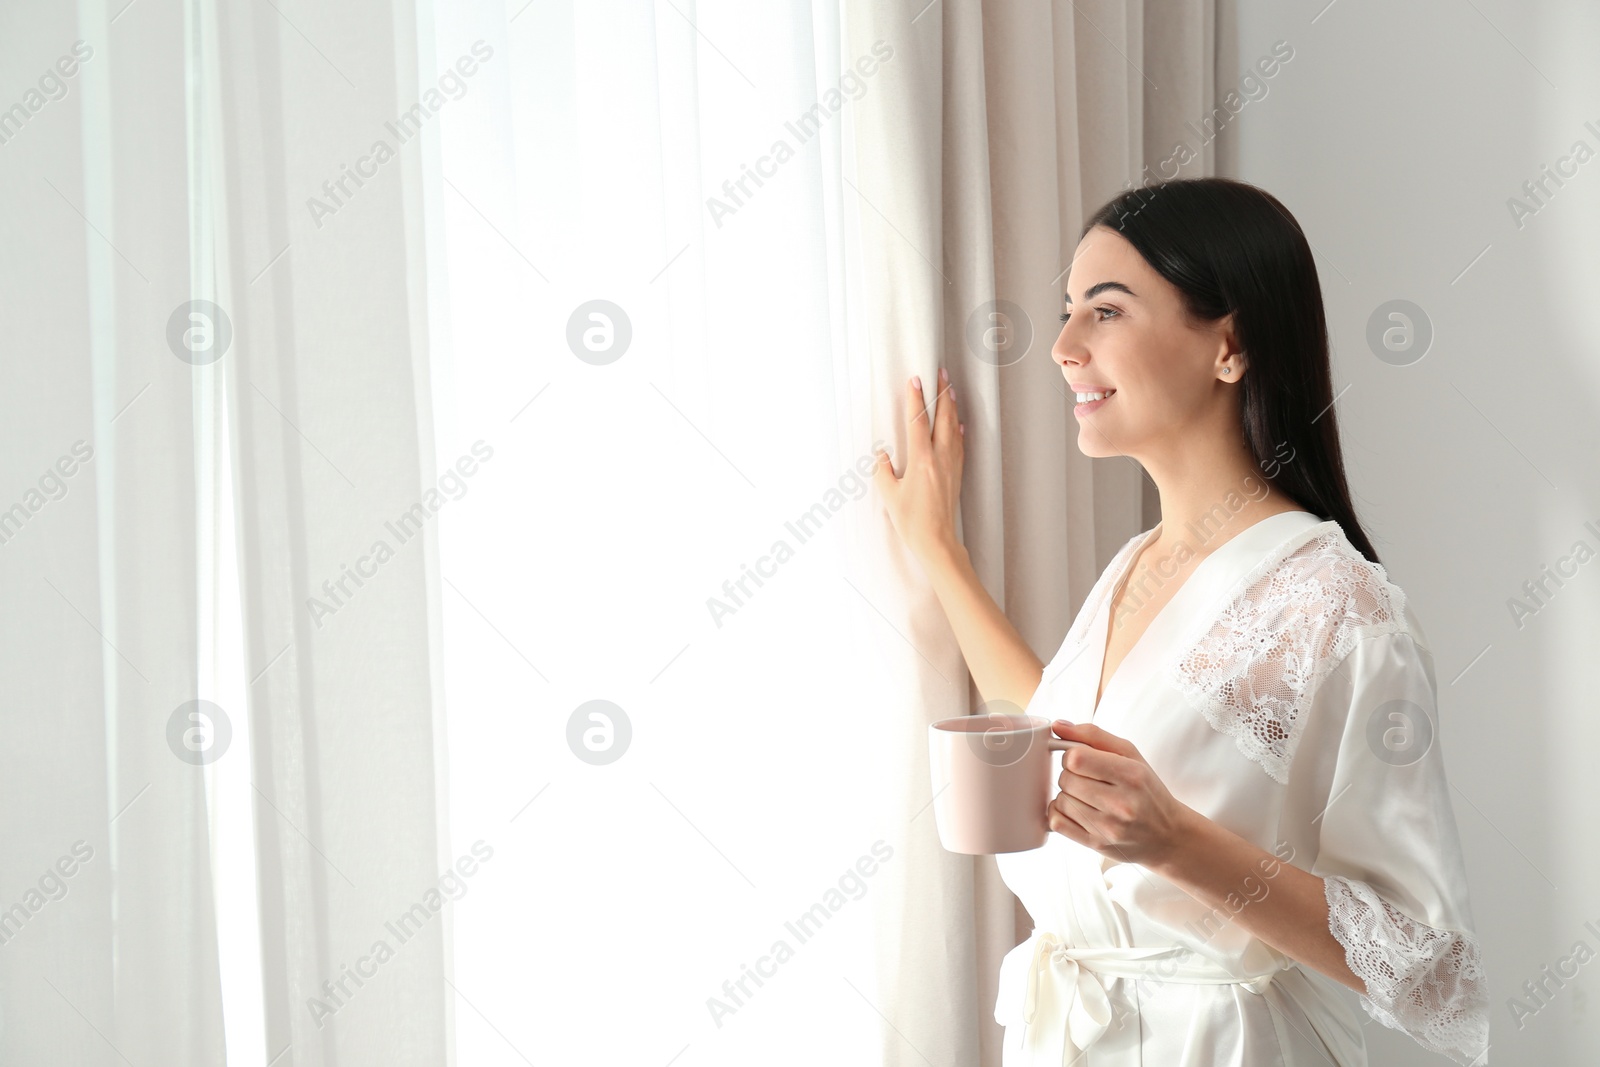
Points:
[(1286, 691)]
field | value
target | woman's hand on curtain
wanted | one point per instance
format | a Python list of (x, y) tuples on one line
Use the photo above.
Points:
[(923, 498), (1111, 800), (922, 504)]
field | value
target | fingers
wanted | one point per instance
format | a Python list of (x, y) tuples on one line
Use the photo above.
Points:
[(946, 421), (920, 428), (945, 424), (1061, 817), (883, 475), (1096, 737), (1091, 793), (1085, 762), (923, 433)]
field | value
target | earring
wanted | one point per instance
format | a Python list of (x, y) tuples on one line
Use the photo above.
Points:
[(1227, 370)]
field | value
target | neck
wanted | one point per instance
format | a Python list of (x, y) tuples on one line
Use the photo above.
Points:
[(1210, 494)]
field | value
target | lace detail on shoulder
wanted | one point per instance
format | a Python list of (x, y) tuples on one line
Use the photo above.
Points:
[(1254, 673), (1424, 982)]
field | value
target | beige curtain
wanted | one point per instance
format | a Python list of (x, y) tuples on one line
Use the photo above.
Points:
[(979, 151)]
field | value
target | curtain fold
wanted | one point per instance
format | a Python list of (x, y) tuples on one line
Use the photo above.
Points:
[(107, 934), (325, 122), (997, 130)]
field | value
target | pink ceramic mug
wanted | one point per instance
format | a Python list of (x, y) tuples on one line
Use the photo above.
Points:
[(992, 782)]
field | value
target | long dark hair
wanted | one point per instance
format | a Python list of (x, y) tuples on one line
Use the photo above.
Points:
[(1230, 247)]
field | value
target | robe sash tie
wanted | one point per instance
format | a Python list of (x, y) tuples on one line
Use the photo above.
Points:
[(1055, 993)]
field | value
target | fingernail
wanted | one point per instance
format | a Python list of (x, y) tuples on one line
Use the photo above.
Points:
[(963, 429), (943, 376), (952, 392), (916, 380)]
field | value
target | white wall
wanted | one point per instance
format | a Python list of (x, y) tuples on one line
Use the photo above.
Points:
[(1396, 135)]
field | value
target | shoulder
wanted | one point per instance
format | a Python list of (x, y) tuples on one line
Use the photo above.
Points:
[(1255, 670), (1329, 587)]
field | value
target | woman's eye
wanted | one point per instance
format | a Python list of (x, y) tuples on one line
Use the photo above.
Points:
[(1065, 315)]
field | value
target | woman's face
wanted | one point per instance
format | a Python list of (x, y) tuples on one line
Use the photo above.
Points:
[(1126, 332)]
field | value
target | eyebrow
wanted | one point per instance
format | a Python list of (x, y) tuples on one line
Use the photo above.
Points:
[(1101, 287)]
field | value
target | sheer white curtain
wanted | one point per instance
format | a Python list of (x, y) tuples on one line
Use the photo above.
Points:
[(692, 259), (637, 480), (108, 944), (506, 501), (181, 881), (324, 135)]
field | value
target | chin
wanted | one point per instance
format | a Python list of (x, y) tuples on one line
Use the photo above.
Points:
[(1093, 444)]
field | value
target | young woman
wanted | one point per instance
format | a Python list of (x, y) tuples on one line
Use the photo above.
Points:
[(1259, 819)]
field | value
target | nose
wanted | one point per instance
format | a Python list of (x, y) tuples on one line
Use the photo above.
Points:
[(1065, 351)]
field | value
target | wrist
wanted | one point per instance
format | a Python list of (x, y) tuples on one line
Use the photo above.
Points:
[(947, 554), (1191, 835)]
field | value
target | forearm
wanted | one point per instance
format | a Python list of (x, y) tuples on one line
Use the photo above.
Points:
[(1275, 901), (1001, 663)]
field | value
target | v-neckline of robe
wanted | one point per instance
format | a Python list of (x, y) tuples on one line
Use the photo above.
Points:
[(1256, 533)]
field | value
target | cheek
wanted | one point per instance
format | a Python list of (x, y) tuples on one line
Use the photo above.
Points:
[(1154, 396)]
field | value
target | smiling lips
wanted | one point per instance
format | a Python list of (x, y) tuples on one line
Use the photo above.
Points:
[(1088, 397)]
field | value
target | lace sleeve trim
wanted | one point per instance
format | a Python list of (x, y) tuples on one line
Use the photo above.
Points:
[(1425, 982), (1254, 673)]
